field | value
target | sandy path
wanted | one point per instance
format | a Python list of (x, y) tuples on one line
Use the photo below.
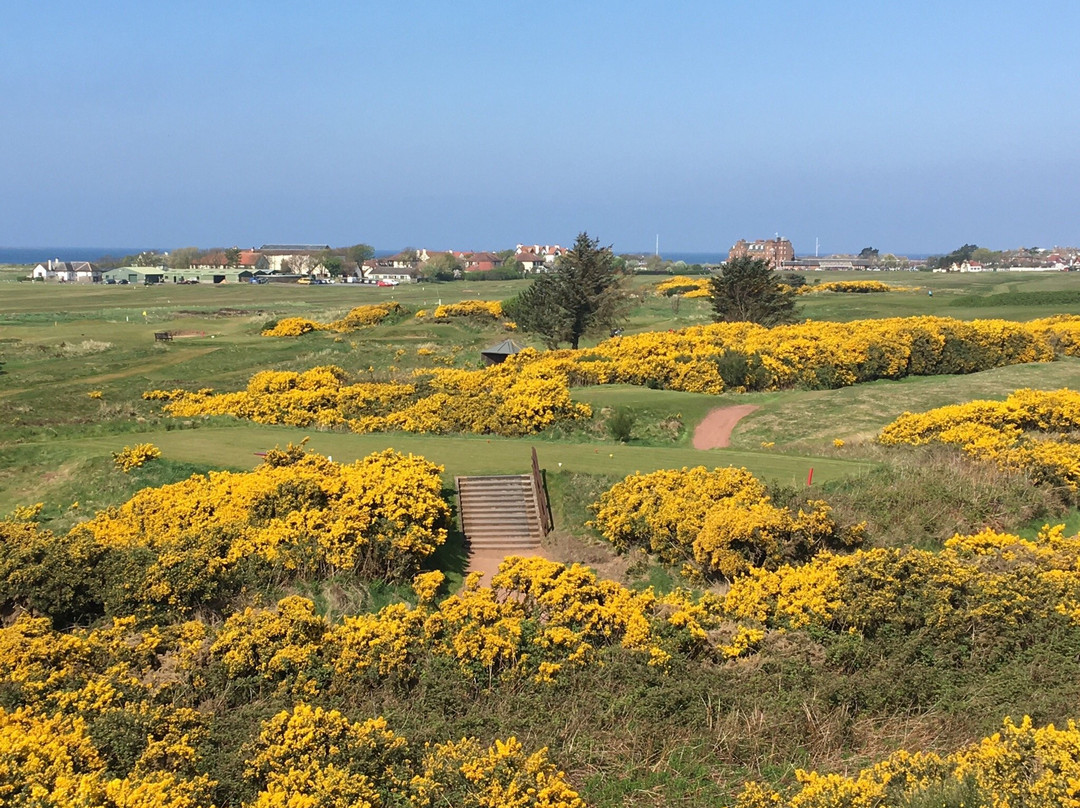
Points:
[(714, 431)]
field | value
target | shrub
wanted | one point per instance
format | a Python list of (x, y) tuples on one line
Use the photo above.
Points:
[(717, 524), (133, 457), (620, 424)]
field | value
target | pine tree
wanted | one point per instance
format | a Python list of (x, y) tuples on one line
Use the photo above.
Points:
[(581, 296), (747, 290)]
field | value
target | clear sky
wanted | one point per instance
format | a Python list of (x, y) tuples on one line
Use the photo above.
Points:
[(908, 126)]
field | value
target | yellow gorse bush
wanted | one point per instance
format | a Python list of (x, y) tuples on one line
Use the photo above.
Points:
[(25, 513), (321, 396), (380, 513), (67, 682), (1035, 431), (485, 309), (530, 390), (1020, 765), (985, 582), (848, 287), (685, 286), (133, 457), (357, 318), (814, 353), (716, 523), (312, 756), (177, 547), (302, 757), (536, 619), (503, 399)]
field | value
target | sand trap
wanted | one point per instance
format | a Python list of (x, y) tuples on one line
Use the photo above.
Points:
[(714, 431)]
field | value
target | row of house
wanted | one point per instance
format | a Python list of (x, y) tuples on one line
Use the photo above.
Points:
[(409, 265), (976, 266), (301, 260)]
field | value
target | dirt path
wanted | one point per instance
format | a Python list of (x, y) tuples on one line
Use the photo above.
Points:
[(714, 431), (488, 561)]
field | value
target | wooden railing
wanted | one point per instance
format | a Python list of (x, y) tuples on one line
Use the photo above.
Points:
[(542, 504)]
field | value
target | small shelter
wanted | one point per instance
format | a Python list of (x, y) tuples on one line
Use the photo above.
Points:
[(497, 353)]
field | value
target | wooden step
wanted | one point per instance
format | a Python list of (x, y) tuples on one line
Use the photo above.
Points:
[(499, 512)]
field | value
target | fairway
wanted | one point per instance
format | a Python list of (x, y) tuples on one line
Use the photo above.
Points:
[(236, 447)]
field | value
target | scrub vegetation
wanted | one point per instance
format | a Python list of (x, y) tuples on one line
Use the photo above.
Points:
[(230, 571)]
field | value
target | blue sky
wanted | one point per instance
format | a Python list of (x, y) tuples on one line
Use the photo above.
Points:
[(912, 127)]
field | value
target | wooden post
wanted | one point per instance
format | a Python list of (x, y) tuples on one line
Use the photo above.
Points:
[(541, 495)]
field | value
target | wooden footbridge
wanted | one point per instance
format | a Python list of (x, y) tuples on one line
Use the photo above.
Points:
[(505, 514)]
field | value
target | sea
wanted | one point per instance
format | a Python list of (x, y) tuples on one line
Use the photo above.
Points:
[(695, 257), (34, 255)]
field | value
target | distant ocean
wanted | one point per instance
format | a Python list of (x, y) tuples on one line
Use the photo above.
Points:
[(34, 255), (694, 257)]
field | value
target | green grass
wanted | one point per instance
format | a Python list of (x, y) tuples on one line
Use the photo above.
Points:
[(235, 447), (1070, 519), (955, 295), (60, 342), (797, 420)]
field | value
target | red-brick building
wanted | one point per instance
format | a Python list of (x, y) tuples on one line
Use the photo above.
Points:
[(775, 251)]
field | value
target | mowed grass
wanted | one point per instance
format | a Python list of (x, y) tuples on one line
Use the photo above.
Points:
[(161, 302), (951, 295), (797, 420), (238, 445)]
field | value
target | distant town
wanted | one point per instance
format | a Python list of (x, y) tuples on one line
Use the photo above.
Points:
[(321, 263)]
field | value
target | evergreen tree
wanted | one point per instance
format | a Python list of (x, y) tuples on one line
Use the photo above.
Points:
[(581, 296), (747, 290)]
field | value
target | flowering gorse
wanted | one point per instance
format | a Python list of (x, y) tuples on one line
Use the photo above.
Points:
[(531, 390), (717, 523), (483, 309), (849, 287), (133, 457), (504, 399), (684, 286), (357, 318), (196, 543), (1020, 765), (1034, 431)]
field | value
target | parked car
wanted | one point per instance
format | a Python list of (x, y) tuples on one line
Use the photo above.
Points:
[(387, 283)]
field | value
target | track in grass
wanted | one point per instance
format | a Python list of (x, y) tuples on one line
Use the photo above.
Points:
[(714, 431)]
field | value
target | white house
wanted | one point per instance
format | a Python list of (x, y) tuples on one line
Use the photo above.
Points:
[(67, 272), (298, 259)]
